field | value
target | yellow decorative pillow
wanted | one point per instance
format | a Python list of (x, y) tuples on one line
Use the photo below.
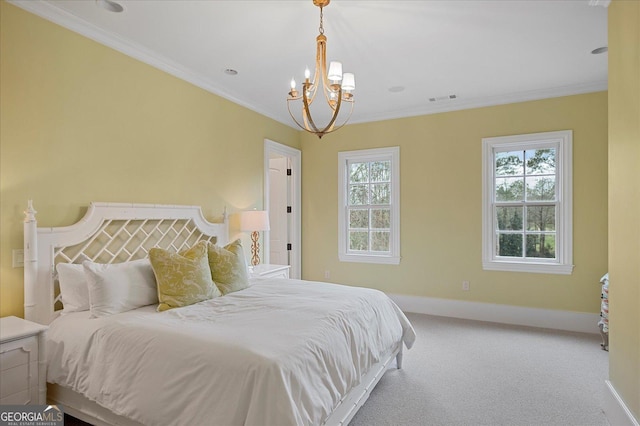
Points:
[(228, 267), (183, 278)]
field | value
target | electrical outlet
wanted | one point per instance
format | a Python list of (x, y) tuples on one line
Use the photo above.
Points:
[(465, 286), (18, 258), (327, 274)]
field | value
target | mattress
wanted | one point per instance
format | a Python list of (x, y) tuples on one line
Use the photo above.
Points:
[(281, 352)]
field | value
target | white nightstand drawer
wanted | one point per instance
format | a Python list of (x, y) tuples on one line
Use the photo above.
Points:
[(18, 379), (22, 368), (279, 274), (20, 398), (270, 271), (18, 352)]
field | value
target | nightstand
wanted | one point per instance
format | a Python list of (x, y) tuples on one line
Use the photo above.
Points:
[(270, 271), (22, 362)]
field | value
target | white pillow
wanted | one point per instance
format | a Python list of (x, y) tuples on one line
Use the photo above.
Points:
[(120, 287), (73, 287)]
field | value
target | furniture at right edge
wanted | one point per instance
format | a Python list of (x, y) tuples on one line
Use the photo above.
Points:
[(603, 324)]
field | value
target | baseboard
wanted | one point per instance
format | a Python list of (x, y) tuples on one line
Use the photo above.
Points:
[(616, 411), (505, 314)]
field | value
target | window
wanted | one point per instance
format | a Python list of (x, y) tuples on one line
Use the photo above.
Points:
[(527, 211), (369, 206)]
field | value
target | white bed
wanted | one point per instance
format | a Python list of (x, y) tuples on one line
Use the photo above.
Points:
[(279, 352)]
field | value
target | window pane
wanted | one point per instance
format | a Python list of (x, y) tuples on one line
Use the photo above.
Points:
[(509, 189), (510, 245), (380, 241), (541, 218), (358, 240), (541, 161), (509, 163), (509, 218), (359, 172), (358, 195), (381, 218), (359, 219), (381, 171), (381, 193), (541, 188), (541, 245)]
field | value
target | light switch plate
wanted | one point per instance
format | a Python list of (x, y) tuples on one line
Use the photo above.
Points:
[(18, 258)]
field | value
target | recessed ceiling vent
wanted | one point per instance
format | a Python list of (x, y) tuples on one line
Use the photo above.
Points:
[(443, 98)]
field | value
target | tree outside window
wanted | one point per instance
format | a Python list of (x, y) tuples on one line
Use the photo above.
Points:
[(525, 228)]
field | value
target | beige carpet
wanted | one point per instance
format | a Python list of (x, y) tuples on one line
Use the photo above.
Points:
[(463, 372)]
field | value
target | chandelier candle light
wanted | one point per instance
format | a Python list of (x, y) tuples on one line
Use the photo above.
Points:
[(254, 221), (336, 86)]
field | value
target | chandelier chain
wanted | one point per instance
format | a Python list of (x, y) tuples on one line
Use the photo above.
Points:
[(321, 22)]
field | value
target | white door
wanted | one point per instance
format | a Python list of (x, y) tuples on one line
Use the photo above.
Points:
[(278, 216), (282, 190)]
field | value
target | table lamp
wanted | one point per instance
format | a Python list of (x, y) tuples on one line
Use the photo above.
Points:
[(254, 221)]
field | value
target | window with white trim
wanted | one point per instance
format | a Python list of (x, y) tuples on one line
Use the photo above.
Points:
[(369, 205), (527, 203)]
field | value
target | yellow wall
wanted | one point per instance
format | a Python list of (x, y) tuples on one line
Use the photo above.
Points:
[(441, 204), (80, 122), (624, 200)]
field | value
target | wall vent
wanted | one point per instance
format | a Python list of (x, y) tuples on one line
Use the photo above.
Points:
[(443, 98)]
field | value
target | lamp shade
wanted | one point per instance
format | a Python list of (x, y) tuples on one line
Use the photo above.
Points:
[(254, 220), (335, 71), (348, 81)]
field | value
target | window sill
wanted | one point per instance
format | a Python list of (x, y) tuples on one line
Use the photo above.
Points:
[(540, 268), (361, 258)]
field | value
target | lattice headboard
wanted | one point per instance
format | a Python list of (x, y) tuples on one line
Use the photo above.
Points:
[(108, 233)]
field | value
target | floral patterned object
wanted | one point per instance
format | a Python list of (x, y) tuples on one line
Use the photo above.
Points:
[(183, 278), (228, 267)]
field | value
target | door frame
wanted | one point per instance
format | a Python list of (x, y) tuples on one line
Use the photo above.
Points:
[(295, 160)]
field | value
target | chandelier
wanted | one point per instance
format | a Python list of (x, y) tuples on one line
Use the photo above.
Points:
[(336, 87)]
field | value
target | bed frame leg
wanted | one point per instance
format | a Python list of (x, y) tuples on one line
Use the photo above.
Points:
[(399, 359)]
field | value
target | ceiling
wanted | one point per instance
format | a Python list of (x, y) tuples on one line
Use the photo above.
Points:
[(402, 52)]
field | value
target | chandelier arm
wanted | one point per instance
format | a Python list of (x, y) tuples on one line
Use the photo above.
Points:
[(334, 117), (345, 121), (305, 120), (322, 53), (336, 111), (312, 92), (320, 71), (294, 118), (320, 135), (307, 112)]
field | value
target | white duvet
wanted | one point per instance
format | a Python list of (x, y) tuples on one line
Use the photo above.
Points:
[(281, 352)]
